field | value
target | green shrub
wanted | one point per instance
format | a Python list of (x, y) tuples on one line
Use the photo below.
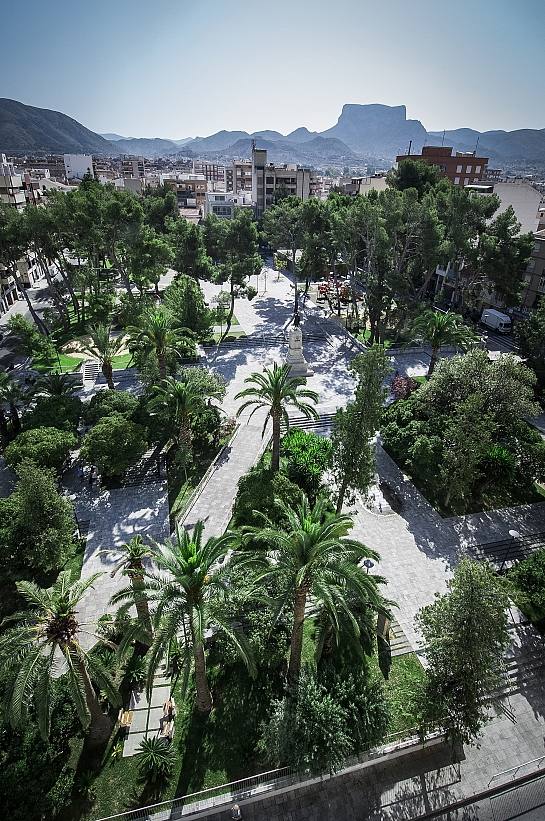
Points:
[(307, 457), (529, 577), (114, 443), (61, 412), (46, 447), (106, 402), (257, 491)]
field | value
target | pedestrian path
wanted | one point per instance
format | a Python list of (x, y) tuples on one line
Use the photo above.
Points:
[(214, 504), (113, 517), (147, 715)]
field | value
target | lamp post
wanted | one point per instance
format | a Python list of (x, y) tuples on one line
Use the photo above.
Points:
[(369, 564), (514, 535)]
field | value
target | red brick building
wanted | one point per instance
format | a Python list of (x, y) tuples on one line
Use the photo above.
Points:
[(462, 168)]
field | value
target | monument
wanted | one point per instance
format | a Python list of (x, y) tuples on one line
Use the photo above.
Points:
[(295, 358)]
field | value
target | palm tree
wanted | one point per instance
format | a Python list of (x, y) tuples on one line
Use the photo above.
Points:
[(57, 384), (277, 391), (158, 333), (132, 555), (104, 348), (195, 580), (183, 400), (437, 329), (11, 394), (44, 644), (311, 557)]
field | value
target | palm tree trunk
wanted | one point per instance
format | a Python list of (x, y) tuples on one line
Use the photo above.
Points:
[(296, 643), (203, 697), (275, 460), (108, 372), (231, 311), (142, 608), (101, 724), (162, 362), (433, 361)]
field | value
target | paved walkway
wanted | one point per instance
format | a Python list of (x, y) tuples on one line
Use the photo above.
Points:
[(113, 517)]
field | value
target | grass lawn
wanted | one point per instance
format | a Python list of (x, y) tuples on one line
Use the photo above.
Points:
[(67, 363), (216, 319), (406, 673), (211, 751)]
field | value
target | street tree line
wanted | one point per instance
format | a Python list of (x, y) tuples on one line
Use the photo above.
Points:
[(394, 240)]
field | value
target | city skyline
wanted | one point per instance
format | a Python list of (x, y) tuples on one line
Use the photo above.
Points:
[(174, 69)]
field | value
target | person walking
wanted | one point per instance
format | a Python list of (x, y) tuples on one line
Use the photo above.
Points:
[(92, 475), (81, 475)]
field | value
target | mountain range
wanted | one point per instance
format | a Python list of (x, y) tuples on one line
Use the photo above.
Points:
[(362, 133)]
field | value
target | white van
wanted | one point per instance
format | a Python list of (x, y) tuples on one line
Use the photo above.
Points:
[(496, 321)]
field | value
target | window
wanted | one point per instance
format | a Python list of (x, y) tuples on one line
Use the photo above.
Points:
[(466, 181), (442, 168), (477, 169), (458, 169), (531, 265), (456, 180), (537, 246), (475, 179), (270, 180), (468, 169)]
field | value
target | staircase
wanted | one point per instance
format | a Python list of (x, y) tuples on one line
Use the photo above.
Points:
[(90, 370), (399, 643), (149, 469)]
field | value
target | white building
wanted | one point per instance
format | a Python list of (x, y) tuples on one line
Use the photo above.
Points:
[(77, 165)]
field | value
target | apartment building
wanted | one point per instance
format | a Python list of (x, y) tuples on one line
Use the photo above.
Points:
[(77, 165), (12, 190), (223, 203), (238, 176), (534, 278), (213, 172), (266, 178), (462, 168), (190, 189), (132, 166)]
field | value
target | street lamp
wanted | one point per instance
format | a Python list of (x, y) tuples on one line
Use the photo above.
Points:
[(514, 535), (369, 564)]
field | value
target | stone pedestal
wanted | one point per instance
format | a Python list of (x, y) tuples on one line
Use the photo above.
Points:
[(295, 358)]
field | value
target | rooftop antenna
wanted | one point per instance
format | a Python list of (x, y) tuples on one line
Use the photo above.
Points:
[(409, 152), (253, 145), (443, 140), (477, 145)]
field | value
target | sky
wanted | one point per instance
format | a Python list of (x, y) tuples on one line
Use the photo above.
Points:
[(181, 68)]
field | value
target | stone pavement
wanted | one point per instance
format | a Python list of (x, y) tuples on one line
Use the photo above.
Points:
[(147, 716), (113, 517), (214, 504)]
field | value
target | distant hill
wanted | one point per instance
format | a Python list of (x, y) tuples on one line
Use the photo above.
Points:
[(25, 129), (216, 142), (362, 133), (317, 151), (115, 137), (301, 135), (498, 146), (146, 147), (378, 130)]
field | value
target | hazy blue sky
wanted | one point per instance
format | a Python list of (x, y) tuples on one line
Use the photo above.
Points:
[(178, 68)]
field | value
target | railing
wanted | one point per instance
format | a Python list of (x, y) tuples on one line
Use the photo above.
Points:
[(509, 550), (212, 797), (264, 782), (516, 770)]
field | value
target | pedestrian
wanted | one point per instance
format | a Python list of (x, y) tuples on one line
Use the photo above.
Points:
[(236, 814), (81, 474)]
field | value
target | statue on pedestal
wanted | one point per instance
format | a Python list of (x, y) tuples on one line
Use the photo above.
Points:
[(295, 358)]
